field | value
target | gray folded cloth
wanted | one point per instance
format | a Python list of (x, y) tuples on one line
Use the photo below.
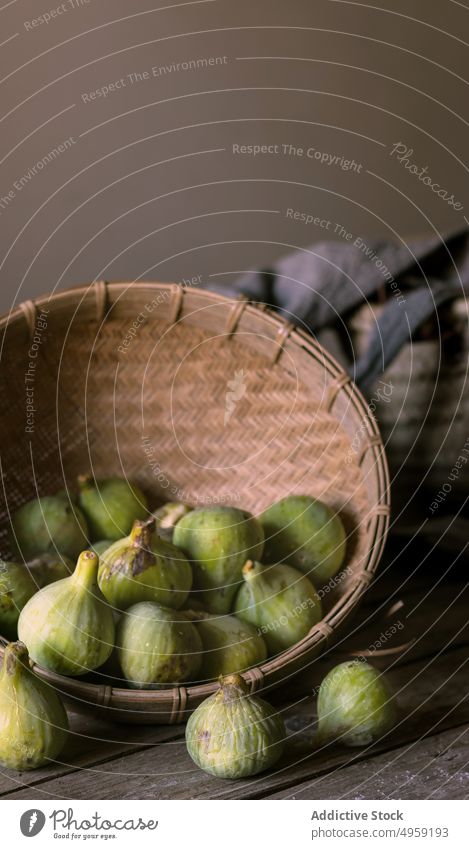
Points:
[(317, 287), (320, 286)]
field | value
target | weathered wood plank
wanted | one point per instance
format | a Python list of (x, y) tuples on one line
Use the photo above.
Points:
[(431, 619), (91, 741), (433, 768), (439, 620), (433, 697)]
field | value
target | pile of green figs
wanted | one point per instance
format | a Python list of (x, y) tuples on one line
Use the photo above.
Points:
[(104, 587), (168, 596)]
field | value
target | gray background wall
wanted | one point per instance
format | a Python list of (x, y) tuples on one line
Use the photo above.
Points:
[(148, 185)]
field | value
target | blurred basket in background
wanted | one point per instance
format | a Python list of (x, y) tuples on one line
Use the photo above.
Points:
[(424, 414)]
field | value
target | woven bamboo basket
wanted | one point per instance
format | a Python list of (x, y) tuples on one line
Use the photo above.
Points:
[(132, 379)]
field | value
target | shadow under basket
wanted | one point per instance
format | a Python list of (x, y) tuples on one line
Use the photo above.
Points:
[(196, 398)]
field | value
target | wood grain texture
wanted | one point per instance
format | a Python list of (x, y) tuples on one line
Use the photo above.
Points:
[(91, 742), (109, 761), (432, 695), (432, 768)]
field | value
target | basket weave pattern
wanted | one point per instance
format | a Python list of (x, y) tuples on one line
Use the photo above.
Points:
[(154, 408)]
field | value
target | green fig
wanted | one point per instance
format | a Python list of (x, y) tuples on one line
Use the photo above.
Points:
[(67, 494), (157, 646), (218, 541), (233, 734), (47, 568), (33, 721), (167, 517), (355, 705), (111, 506), (101, 546), (16, 588), (49, 524), (229, 644), (143, 567), (280, 601), (307, 534), (193, 603), (68, 626)]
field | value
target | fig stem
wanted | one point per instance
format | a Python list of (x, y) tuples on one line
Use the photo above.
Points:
[(142, 532), (171, 518), (85, 480), (86, 570), (14, 659), (249, 570), (233, 687)]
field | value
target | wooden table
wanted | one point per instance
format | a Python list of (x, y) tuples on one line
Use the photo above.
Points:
[(426, 755)]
